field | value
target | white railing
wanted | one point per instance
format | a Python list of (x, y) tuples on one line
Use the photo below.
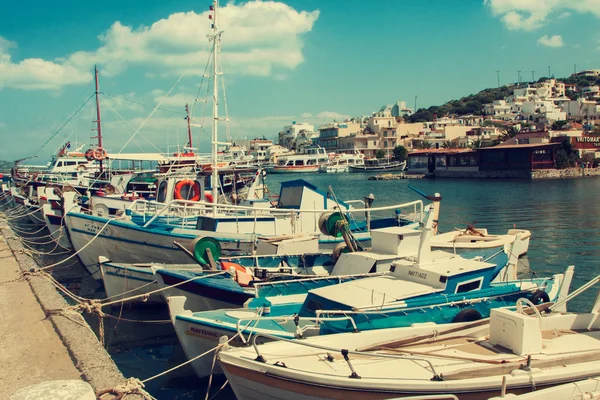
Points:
[(186, 205)]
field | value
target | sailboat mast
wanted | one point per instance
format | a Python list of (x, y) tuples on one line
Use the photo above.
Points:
[(98, 123), (215, 122), (187, 112)]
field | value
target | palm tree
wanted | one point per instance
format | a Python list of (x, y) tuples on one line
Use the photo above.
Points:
[(509, 133), (450, 144), (422, 144), (477, 144)]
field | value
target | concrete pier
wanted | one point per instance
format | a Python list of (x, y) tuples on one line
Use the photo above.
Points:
[(37, 348)]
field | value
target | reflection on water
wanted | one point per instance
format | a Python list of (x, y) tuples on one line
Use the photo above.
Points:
[(561, 214)]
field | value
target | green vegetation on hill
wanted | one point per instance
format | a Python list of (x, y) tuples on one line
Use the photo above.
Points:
[(473, 104)]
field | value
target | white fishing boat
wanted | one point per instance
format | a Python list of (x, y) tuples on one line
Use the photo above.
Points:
[(587, 389), (308, 159), (516, 350), (53, 216), (479, 238), (342, 162), (378, 165)]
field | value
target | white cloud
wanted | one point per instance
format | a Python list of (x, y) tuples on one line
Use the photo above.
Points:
[(326, 116), (178, 100), (533, 14), (551, 41), (260, 38), (35, 73)]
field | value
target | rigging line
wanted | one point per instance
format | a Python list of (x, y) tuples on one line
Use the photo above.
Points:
[(65, 124), (205, 102), (158, 105), (156, 108), (201, 82), (227, 125), (139, 103), (241, 99), (128, 123)]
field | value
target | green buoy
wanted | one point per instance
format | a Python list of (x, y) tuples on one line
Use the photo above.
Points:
[(199, 246), (328, 222)]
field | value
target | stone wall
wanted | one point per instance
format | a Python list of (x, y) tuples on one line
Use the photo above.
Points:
[(565, 173), (538, 174)]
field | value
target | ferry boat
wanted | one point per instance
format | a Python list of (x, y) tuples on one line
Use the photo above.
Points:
[(376, 165), (342, 163), (309, 159)]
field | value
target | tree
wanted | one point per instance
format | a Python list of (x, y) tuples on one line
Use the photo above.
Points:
[(400, 153), (565, 155), (477, 144), (422, 144), (449, 144), (509, 133), (380, 154), (558, 125)]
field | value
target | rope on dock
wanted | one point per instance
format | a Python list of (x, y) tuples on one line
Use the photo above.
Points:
[(131, 386)]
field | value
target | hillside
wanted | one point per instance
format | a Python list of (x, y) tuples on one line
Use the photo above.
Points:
[(473, 104)]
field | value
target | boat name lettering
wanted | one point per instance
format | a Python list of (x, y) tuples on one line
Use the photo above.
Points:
[(421, 275), (203, 332)]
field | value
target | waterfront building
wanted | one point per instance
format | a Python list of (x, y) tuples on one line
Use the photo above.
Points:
[(330, 134), (365, 143), (289, 135), (399, 109)]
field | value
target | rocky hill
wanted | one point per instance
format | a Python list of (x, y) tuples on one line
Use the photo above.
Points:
[(473, 104)]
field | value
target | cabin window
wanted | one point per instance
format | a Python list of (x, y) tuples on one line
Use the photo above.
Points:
[(299, 162), (469, 286), (206, 224), (59, 164), (70, 163), (162, 192), (291, 197)]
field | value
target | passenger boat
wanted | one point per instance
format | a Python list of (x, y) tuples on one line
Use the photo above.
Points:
[(378, 165), (342, 162), (521, 349), (309, 159)]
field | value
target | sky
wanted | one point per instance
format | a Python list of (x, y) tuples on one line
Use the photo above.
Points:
[(296, 60)]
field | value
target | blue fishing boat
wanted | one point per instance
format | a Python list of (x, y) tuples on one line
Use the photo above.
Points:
[(419, 285)]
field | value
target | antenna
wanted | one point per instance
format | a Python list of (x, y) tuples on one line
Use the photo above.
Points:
[(215, 36), (416, 103), (498, 74), (549, 72), (519, 76), (532, 76), (187, 116)]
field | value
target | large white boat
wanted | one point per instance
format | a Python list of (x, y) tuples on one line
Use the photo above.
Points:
[(309, 159), (342, 162), (377, 165)]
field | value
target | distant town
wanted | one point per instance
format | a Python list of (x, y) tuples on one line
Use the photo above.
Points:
[(525, 126)]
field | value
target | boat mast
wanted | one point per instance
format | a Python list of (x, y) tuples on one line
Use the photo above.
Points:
[(187, 112), (215, 37), (98, 124)]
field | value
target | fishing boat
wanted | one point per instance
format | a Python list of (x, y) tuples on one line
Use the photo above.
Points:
[(342, 162), (53, 216), (145, 232), (418, 286), (378, 165), (308, 159), (518, 350)]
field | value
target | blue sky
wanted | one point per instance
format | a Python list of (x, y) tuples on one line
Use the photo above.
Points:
[(302, 60)]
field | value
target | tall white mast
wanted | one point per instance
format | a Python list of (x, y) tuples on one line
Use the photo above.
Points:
[(215, 37)]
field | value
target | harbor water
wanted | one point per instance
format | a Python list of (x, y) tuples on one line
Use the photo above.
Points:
[(562, 215)]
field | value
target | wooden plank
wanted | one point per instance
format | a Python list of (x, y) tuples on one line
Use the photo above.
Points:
[(478, 371)]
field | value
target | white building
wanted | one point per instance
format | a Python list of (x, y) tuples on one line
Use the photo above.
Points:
[(288, 136)]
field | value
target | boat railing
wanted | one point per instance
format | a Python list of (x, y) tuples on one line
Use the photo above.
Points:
[(207, 206), (300, 328), (344, 352)]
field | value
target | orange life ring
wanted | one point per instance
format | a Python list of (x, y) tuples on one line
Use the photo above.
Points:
[(194, 190), (89, 155), (100, 154), (209, 197)]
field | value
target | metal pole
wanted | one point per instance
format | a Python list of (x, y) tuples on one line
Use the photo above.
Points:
[(215, 172), (498, 75), (98, 124)]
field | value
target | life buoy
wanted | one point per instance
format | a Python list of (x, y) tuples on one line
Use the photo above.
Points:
[(100, 154), (193, 191), (89, 155), (539, 297), (81, 167), (209, 197), (467, 315)]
